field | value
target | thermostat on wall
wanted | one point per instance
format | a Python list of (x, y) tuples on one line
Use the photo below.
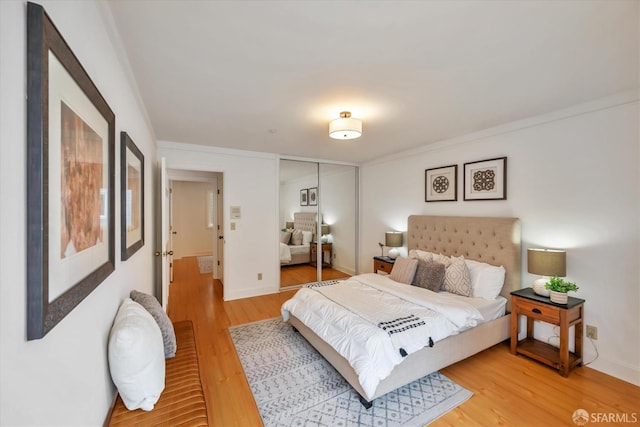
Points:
[(235, 212)]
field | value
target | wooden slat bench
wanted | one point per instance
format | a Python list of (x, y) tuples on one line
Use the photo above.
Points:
[(182, 402)]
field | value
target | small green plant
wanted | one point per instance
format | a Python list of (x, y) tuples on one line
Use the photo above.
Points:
[(558, 284)]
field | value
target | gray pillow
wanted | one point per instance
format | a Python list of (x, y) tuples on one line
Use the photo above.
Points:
[(151, 304), (296, 237), (429, 275)]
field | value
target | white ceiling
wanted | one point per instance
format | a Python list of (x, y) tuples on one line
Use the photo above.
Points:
[(270, 75)]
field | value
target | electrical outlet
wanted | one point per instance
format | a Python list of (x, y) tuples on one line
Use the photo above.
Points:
[(259, 276), (592, 332)]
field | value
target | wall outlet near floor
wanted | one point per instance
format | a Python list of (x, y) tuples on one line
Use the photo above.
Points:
[(592, 332), (259, 276)]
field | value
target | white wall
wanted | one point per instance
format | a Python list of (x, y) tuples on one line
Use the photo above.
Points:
[(251, 182), (573, 181), (190, 218), (63, 378), (338, 195), (290, 195)]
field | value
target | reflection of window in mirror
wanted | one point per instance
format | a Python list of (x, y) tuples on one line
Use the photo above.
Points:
[(211, 204)]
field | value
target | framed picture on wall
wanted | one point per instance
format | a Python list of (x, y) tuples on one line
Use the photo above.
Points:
[(313, 196), (131, 197), (441, 184), (304, 197), (70, 179), (486, 179)]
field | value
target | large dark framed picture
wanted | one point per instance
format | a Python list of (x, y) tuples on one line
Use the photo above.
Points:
[(131, 197), (304, 197), (486, 179), (441, 184), (313, 196), (70, 179)]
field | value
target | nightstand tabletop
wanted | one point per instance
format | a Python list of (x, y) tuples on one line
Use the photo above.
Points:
[(529, 294)]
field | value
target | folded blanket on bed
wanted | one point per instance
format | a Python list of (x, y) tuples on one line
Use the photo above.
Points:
[(408, 328)]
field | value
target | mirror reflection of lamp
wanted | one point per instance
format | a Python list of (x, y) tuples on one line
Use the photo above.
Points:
[(546, 263), (324, 231)]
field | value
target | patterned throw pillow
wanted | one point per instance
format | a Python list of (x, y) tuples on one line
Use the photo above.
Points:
[(456, 278), (403, 270), (443, 259), (429, 275)]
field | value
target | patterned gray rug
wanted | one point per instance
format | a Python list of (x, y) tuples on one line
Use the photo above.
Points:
[(293, 385)]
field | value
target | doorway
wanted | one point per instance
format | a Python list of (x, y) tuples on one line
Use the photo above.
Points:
[(194, 222)]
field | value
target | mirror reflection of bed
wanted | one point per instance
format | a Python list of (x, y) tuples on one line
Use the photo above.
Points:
[(297, 259), (318, 194)]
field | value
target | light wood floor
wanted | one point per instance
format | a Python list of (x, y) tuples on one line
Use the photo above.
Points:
[(292, 275), (508, 390)]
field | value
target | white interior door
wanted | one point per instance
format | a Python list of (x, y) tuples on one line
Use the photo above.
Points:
[(164, 231), (220, 230)]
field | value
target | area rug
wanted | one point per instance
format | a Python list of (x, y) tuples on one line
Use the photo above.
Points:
[(293, 385), (205, 264)]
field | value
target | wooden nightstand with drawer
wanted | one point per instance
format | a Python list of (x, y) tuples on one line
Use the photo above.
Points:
[(383, 264), (535, 307)]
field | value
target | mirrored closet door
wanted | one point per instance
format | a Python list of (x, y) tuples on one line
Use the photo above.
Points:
[(317, 221)]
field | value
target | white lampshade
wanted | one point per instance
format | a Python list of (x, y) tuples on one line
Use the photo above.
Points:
[(345, 127)]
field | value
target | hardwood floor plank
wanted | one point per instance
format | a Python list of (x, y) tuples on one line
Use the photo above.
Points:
[(508, 390)]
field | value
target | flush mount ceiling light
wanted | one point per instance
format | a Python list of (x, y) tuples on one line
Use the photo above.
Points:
[(345, 127)]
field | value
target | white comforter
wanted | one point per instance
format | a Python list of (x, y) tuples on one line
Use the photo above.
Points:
[(285, 253), (346, 316)]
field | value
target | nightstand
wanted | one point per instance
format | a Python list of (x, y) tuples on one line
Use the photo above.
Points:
[(383, 264), (326, 248), (535, 307)]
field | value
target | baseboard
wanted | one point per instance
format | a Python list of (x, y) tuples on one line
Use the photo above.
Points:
[(622, 371)]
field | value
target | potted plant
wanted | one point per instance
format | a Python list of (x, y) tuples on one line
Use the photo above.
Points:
[(558, 289)]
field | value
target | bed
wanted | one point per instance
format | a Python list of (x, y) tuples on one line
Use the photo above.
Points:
[(291, 254), (494, 241)]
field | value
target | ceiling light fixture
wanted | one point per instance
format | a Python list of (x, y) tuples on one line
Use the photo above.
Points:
[(345, 127)]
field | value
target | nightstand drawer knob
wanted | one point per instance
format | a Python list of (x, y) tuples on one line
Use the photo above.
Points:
[(536, 310)]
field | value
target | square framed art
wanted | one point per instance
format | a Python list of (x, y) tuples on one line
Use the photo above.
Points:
[(486, 179), (441, 184), (313, 196)]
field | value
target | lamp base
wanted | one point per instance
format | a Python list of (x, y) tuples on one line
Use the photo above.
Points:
[(538, 287), (393, 253)]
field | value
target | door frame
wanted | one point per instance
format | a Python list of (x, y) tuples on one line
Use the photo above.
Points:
[(174, 170)]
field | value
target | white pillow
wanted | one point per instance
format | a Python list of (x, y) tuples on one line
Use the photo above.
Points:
[(423, 255), (307, 236), (136, 356), (486, 279)]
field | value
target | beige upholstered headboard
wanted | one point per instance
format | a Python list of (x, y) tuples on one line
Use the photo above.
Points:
[(305, 221), (495, 241)]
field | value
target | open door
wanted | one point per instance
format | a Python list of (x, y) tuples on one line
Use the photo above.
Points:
[(163, 250), (220, 231)]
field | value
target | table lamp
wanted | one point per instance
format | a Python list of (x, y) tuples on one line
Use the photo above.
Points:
[(393, 239), (324, 230), (546, 263)]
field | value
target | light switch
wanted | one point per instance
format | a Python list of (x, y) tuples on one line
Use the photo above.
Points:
[(233, 226)]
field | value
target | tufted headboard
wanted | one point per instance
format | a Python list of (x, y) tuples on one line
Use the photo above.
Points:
[(495, 241), (305, 221)]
